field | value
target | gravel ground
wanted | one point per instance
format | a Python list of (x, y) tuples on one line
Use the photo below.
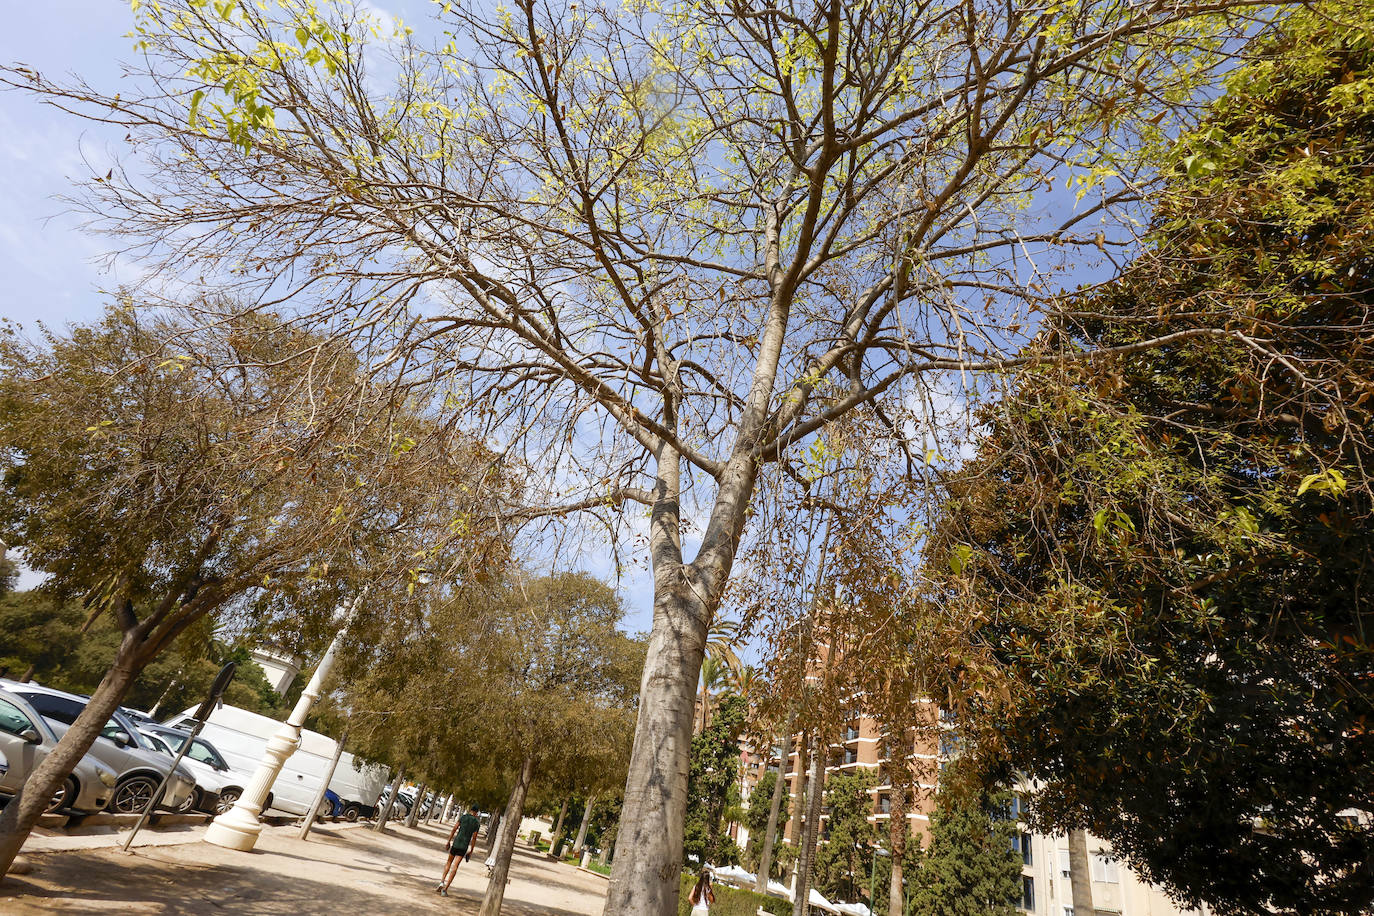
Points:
[(353, 867)]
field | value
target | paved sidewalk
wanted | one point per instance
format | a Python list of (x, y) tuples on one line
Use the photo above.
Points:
[(366, 872)]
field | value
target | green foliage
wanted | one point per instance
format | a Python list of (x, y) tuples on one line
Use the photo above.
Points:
[(969, 868), (731, 901), (713, 782), (756, 820), (845, 857), (46, 635), (1168, 553)]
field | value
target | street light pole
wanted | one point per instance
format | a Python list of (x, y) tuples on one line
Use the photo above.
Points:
[(239, 827)]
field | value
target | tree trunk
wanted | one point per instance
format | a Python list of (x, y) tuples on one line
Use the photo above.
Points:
[(799, 811), (494, 830), (605, 855), (815, 793), (385, 814), (496, 887), (415, 808), (1080, 877), (27, 805), (705, 703), (28, 674), (774, 810), (648, 847), (558, 826), (581, 840), (324, 786), (897, 834)]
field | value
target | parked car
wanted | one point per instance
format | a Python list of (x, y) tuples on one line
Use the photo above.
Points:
[(26, 740), (120, 747), (241, 736), (218, 786)]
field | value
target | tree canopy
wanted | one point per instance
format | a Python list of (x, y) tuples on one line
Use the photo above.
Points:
[(1167, 553)]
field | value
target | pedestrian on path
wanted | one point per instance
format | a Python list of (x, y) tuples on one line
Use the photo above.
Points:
[(702, 896), (461, 839)]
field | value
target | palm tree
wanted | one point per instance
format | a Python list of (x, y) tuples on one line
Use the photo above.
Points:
[(715, 674)]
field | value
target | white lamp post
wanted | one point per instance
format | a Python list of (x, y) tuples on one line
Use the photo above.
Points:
[(239, 827)]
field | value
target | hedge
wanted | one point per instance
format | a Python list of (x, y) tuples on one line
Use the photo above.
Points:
[(731, 901)]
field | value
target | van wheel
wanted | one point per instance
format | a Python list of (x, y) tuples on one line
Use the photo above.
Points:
[(227, 797), (133, 795), (352, 813), (63, 797)]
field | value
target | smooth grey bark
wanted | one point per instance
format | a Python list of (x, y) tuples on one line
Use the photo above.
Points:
[(581, 840), (415, 808), (799, 811), (774, 810), (558, 825), (897, 835), (27, 805), (385, 814), (1080, 877), (496, 886), (324, 786), (807, 854)]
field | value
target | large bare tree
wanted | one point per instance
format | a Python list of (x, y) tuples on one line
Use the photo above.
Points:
[(652, 247)]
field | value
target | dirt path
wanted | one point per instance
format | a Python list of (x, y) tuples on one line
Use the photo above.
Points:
[(338, 872)]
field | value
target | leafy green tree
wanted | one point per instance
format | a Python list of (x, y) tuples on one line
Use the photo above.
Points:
[(711, 230), (713, 783), (969, 867), (1168, 553), (161, 473), (845, 860)]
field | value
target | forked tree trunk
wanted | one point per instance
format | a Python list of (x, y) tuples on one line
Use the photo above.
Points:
[(897, 834), (1080, 878), (648, 847), (807, 854), (774, 810), (496, 887), (37, 791), (414, 814), (385, 814), (581, 840)]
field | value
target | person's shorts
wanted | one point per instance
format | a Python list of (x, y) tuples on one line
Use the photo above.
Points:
[(458, 850)]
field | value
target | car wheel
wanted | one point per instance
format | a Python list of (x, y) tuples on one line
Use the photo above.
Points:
[(133, 795), (191, 803), (352, 813), (227, 797), (62, 797)]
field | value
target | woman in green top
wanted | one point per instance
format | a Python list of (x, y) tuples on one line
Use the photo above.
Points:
[(461, 840)]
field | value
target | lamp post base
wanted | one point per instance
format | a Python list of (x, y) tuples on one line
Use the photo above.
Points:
[(233, 832)]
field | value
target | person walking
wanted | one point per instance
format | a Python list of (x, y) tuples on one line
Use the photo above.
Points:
[(461, 839), (702, 895)]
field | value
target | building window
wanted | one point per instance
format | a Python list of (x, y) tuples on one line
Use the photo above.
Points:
[(1028, 894), (885, 804), (1021, 844), (1064, 864), (851, 733), (1068, 910), (851, 756), (1105, 870)]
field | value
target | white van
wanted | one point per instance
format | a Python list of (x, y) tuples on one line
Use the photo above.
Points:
[(241, 738)]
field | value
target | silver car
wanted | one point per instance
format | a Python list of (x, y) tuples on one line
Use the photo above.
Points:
[(26, 739), (119, 747)]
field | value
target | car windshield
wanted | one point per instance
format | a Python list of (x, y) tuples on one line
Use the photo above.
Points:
[(158, 744), (200, 750)]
